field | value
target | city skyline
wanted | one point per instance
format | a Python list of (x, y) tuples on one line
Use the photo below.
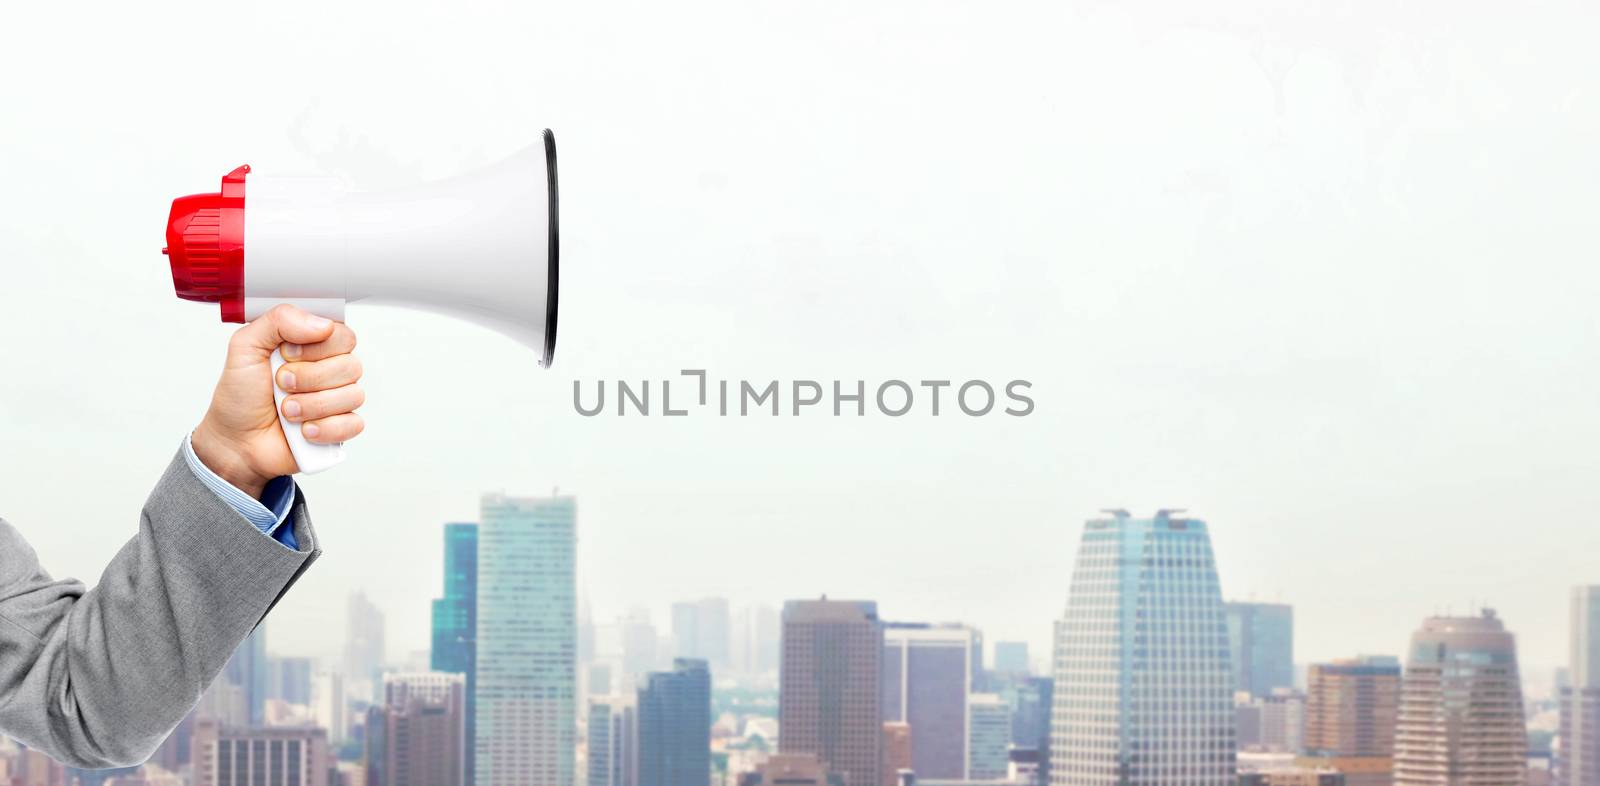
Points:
[(660, 612), (1144, 608), (1261, 284)]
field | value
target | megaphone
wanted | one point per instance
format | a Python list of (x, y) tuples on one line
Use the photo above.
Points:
[(482, 247)]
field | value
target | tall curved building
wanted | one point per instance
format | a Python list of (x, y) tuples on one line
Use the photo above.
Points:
[(1143, 680), (1461, 721)]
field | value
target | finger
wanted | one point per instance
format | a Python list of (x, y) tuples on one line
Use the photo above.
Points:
[(342, 342), (284, 324), (335, 429), (335, 372), (323, 404)]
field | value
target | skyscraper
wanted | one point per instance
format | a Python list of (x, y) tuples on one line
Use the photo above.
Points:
[(1011, 657), (290, 679), (1144, 684), (455, 621), (526, 733), (612, 742), (328, 705), (417, 737), (989, 735), (927, 677), (1351, 706), (1261, 641), (639, 644), (700, 630), (363, 648), (756, 637), (1030, 699), (1578, 762), (250, 670), (674, 712), (829, 686), (1460, 721)]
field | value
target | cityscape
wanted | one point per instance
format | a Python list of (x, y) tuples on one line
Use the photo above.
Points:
[(1154, 679)]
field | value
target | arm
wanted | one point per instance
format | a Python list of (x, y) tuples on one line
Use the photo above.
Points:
[(98, 678)]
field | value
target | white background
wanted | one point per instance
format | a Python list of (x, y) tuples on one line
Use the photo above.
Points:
[(1322, 273)]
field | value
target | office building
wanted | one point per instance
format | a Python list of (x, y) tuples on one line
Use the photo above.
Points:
[(1281, 769), (1030, 700), (1143, 682), (287, 756), (756, 636), (249, 669), (641, 651), (1011, 657), (224, 702), (1351, 707), (701, 629), (1578, 760), (1270, 724), (989, 737), (291, 680), (526, 731), (329, 706), (1461, 718), (1261, 643), (364, 647), (455, 621), (896, 751), (417, 737), (829, 694), (612, 742), (927, 677), (792, 769), (674, 723), (598, 680)]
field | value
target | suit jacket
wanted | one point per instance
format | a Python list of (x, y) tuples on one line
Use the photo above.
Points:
[(98, 678)]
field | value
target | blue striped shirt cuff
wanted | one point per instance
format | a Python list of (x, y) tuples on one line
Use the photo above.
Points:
[(266, 514)]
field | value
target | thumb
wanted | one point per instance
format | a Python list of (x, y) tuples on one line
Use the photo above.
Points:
[(284, 324)]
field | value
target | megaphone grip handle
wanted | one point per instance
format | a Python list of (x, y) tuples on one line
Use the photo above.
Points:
[(311, 457)]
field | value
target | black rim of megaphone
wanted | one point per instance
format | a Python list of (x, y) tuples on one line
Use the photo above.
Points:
[(552, 292)]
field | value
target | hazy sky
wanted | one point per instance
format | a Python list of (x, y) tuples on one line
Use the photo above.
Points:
[(1325, 277)]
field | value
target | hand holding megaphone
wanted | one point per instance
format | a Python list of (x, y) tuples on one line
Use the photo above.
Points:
[(240, 438), (483, 247)]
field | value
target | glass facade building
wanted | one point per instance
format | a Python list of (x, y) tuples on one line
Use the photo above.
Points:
[(1011, 657), (1578, 761), (927, 677), (455, 619), (989, 737), (675, 726), (250, 669), (1261, 639), (1143, 691), (526, 705), (1461, 717), (612, 741)]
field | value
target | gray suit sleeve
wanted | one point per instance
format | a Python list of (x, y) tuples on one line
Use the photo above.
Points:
[(99, 678)]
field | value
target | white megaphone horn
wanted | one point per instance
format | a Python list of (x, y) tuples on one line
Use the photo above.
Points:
[(481, 247)]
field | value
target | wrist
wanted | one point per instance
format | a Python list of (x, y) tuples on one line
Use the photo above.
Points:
[(227, 459)]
